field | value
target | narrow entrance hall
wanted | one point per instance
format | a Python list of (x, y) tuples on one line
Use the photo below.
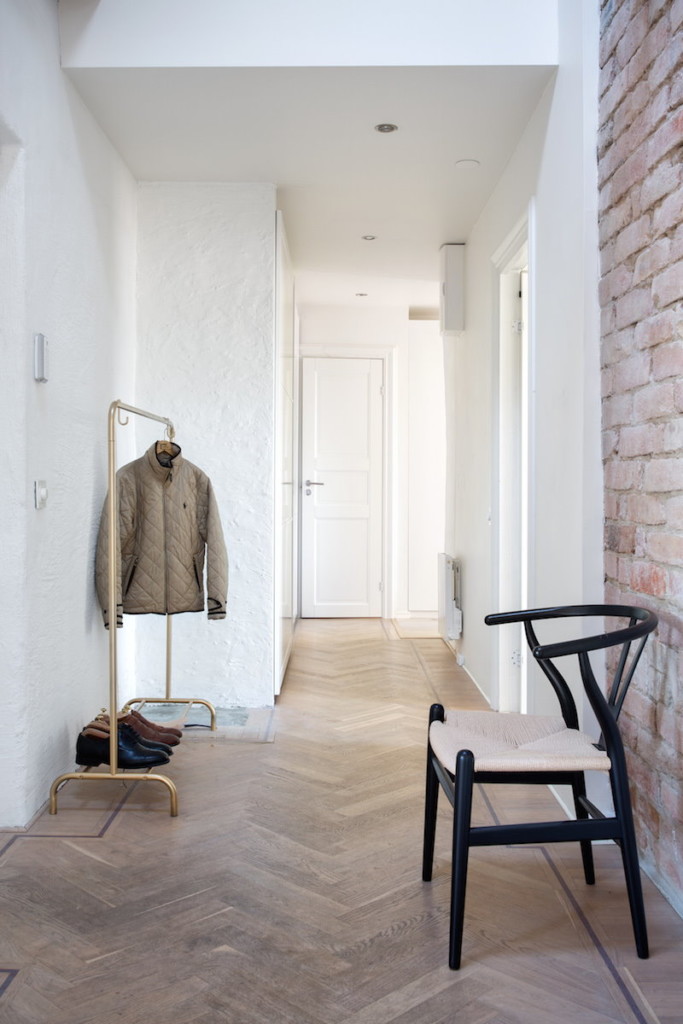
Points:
[(288, 890)]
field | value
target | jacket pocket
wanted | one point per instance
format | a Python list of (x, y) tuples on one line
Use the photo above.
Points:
[(128, 578), (198, 562)]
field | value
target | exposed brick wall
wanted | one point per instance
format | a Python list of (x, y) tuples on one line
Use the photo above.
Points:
[(640, 153)]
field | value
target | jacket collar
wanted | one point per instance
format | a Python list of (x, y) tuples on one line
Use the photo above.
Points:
[(157, 468)]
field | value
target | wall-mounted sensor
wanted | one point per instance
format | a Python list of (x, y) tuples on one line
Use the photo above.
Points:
[(40, 367), (40, 493)]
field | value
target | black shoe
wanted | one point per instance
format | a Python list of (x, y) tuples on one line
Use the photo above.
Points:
[(93, 750), (135, 737)]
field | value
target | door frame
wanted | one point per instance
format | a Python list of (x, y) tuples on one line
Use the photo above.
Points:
[(521, 238), (387, 355)]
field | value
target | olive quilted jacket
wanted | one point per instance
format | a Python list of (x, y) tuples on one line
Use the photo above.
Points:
[(168, 525)]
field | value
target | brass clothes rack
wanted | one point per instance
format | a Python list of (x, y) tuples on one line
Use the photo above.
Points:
[(115, 410)]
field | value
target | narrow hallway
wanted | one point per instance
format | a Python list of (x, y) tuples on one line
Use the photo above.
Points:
[(288, 889)]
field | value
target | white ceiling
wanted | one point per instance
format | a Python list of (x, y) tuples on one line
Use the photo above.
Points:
[(311, 132)]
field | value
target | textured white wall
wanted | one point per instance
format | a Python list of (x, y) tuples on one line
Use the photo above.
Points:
[(206, 264), (67, 221)]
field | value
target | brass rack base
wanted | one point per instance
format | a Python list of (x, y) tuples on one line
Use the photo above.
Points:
[(172, 700), (103, 776)]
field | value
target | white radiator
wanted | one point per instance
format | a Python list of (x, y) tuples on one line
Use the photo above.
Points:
[(450, 608)]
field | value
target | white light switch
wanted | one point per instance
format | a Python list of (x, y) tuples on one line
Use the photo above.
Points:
[(40, 493), (40, 365)]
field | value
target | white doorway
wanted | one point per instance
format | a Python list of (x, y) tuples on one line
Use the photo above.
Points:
[(341, 487), (513, 476)]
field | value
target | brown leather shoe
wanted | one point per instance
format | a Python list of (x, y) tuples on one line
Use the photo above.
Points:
[(144, 731), (155, 725)]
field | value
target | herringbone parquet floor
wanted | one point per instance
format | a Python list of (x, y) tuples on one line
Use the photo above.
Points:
[(288, 889)]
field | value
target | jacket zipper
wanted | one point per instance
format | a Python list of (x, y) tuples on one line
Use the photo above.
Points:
[(167, 482)]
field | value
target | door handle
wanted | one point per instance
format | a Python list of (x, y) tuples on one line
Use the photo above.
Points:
[(314, 483)]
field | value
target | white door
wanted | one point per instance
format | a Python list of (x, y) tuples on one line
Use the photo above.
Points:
[(341, 488)]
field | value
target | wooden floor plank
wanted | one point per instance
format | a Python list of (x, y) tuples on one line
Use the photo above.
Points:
[(288, 889)]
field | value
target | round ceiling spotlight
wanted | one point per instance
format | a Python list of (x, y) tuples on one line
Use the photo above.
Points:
[(368, 238), (386, 128), (467, 165)]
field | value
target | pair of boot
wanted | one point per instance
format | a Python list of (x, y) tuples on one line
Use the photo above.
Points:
[(133, 749)]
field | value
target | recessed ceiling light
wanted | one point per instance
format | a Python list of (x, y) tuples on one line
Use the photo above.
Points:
[(361, 295), (467, 165), (386, 128), (368, 238)]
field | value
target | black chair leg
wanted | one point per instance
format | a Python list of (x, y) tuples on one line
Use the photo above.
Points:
[(462, 817), (629, 857), (579, 790), (436, 713)]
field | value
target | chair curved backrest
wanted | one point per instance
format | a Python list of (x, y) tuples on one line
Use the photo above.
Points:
[(630, 638)]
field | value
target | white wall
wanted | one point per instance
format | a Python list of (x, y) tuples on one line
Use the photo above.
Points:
[(552, 174), (306, 33), (415, 528), (206, 279), (67, 220)]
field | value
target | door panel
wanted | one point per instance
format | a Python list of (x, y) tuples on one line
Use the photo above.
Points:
[(342, 506)]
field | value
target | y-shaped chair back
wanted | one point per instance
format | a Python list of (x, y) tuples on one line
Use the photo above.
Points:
[(465, 747)]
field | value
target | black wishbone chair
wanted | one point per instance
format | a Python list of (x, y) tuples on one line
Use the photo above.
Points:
[(490, 747)]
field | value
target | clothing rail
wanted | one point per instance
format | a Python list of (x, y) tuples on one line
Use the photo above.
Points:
[(115, 410)]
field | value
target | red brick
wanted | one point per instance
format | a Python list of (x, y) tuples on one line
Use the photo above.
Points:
[(617, 410), (667, 360), (672, 436), (607, 257), (633, 307), (633, 238), (660, 182), (667, 137), (637, 440), (622, 476), (608, 318), (617, 282), (676, 14), (634, 169), (617, 346), (609, 440), (651, 260), (676, 90), (663, 475), (669, 213), (669, 725), (632, 372), (678, 396), (614, 220), (667, 60), (605, 137), (667, 287), (607, 381), (620, 538), (656, 329), (673, 509), (653, 402), (666, 548), (633, 36), (611, 563), (671, 794), (612, 32), (613, 95), (677, 249), (644, 509), (646, 578)]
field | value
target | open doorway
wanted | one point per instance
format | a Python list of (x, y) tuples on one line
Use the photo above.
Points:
[(512, 519)]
